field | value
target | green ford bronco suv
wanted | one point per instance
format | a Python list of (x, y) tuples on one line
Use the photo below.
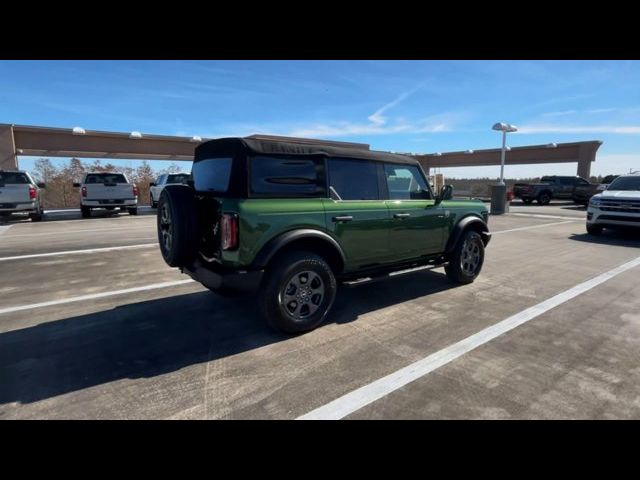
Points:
[(290, 218)]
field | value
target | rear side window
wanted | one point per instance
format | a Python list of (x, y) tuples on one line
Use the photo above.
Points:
[(285, 176), (353, 179), (212, 174), (13, 178), (105, 178)]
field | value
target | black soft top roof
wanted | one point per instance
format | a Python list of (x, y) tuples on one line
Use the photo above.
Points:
[(251, 146)]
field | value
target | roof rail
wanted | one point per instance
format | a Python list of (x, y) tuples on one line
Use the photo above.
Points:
[(309, 141)]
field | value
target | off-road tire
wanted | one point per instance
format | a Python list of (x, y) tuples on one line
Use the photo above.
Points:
[(465, 263), (178, 237), (279, 274)]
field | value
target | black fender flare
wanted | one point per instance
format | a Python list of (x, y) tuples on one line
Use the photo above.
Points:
[(471, 221), (274, 245)]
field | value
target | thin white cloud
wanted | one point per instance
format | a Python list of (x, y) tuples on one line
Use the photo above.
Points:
[(376, 117), (601, 110), (558, 114), (344, 129), (616, 129)]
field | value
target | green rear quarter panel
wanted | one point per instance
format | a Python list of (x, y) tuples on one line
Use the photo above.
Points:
[(262, 219)]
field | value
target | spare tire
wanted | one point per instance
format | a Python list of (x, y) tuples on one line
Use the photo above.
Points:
[(177, 226)]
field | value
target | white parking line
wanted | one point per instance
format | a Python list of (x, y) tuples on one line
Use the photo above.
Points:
[(532, 226), (93, 296), (355, 400), (74, 252), (541, 215), (69, 232)]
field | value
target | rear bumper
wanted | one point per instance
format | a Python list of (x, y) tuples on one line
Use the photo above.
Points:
[(19, 207), (216, 277), (108, 203)]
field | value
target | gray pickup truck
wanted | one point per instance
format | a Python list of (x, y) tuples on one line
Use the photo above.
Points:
[(19, 193), (549, 187)]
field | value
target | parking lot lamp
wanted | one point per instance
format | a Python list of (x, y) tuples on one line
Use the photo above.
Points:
[(504, 128)]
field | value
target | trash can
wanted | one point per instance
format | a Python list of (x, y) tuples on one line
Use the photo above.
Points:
[(499, 203)]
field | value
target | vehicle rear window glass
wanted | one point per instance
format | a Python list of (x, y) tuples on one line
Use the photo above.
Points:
[(105, 178), (547, 179), (353, 179), (14, 178), (285, 176), (212, 174), (178, 178), (625, 183)]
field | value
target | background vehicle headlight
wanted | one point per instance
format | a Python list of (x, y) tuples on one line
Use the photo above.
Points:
[(594, 202)]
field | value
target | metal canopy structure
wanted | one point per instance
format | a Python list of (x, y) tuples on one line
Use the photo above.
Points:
[(28, 140), (63, 142), (582, 153)]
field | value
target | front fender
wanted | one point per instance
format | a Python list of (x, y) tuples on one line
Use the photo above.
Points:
[(472, 222)]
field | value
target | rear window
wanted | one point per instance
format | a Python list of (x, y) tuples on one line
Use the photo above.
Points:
[(178, 178), (212, 174), (13, 178), (285, 176), (105, 178)]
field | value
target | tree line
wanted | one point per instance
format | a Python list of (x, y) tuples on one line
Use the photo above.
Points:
[(59, 179)]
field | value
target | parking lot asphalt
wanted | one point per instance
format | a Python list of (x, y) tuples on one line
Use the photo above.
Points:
[(115, 333)]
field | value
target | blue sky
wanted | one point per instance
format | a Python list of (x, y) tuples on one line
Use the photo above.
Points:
[(407, 106)]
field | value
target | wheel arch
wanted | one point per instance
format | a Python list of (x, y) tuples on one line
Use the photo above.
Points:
[(470, 222), (303, 239)]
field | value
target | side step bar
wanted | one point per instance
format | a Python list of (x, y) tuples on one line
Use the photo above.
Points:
[(385, 276)]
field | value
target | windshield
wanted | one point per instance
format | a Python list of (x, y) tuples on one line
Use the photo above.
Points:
[(626, 183), (178, 178), (212, 174), (105, 178), (546, 179)]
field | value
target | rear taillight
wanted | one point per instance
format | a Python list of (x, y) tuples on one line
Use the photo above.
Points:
[(33, 193), (135, 190), (84, 191), (229, 231)]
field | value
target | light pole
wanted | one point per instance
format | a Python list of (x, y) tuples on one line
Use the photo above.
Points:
[(504, 128)]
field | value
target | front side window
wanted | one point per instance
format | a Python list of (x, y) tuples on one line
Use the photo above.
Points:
[(212, 174), (285, 176), (405, 183), (353, 179)]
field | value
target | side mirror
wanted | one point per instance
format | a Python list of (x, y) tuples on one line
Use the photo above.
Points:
[(445, 194), (76, 185), (152, 184), (41, 185)]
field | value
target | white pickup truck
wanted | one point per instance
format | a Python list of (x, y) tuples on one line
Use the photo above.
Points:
[(109, 191), (19, 193)]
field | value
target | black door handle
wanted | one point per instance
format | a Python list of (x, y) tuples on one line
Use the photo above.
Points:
[(401, 215), (342, 218)]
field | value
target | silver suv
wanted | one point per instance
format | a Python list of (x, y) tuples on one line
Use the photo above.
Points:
[(617, 206)]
